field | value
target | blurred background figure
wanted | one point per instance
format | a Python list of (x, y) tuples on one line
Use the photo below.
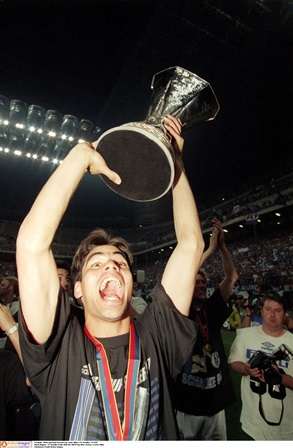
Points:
[(63, 270), (9, 297)]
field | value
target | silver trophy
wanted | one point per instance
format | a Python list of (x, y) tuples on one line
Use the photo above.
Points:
[(142, 152)]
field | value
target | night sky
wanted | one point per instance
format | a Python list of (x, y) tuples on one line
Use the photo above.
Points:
[(96, 59)]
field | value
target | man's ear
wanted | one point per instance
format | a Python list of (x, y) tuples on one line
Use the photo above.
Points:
[(78, 290)]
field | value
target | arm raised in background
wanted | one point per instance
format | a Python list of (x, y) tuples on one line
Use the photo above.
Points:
[(213, 246), (179, 274), (231, 275), (37, 273), (217, 242)]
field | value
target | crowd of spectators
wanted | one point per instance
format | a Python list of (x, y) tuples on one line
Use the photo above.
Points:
[(262, 264), (275, 194)]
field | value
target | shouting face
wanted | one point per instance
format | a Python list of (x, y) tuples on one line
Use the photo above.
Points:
[(106, 285)]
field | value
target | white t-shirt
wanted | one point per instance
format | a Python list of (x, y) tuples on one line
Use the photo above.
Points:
[(247, 341)]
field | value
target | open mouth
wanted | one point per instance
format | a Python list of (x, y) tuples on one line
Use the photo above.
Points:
[(111, 290)]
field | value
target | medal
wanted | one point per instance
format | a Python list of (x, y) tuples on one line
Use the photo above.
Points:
[(115, 430)]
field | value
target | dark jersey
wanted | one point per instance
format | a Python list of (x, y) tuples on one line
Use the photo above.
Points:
[(204, 386), (64, 372)]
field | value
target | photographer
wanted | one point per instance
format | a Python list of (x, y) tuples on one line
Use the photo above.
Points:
[(267, 382)]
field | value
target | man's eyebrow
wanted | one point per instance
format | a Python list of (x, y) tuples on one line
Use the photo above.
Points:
[(117, 252)]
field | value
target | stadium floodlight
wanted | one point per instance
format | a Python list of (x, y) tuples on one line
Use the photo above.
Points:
[(67, 133), (16, 140), (35, 117), (35, 121), (61, 148), (96, 133), (17, 113), (52, 122), (4, 109), (3, 136), (17, 120), (69, 127), (32, 142), (85, 131), (39, 134), (46, 146)]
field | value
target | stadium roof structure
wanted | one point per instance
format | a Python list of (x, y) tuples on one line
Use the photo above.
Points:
[(95, 60)]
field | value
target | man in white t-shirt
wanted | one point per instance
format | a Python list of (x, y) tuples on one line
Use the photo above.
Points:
[(267, 398)]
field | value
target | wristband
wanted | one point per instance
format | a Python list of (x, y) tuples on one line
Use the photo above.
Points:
[(12, 330)]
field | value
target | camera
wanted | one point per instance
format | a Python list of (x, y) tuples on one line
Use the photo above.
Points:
[(267, 363)]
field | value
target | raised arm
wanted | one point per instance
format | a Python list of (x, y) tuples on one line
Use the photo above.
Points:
[(213, 246), (231, 275), (37, 273), (179, 274)]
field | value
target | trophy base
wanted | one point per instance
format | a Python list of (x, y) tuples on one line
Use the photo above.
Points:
[(144, 163)]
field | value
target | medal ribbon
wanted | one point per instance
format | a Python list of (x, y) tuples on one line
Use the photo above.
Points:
[(114, 429)]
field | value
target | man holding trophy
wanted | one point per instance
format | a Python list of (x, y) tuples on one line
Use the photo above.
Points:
[(108, 379)]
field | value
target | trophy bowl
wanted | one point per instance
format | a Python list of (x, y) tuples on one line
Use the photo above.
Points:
[(142, 152), (143, 157)]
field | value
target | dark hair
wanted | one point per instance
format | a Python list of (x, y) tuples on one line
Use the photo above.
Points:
[(275, 297), (97, 237), (61, 264)]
